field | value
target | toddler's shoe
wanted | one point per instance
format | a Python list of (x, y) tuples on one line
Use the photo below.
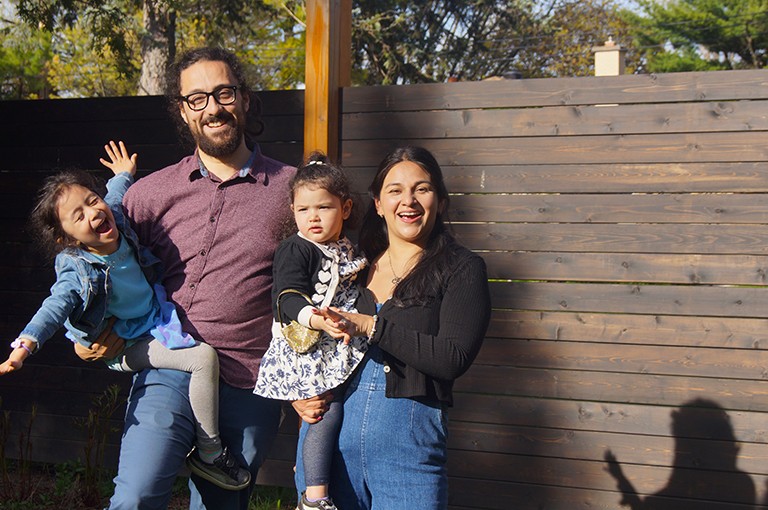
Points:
[(322, 504), (224, 472)]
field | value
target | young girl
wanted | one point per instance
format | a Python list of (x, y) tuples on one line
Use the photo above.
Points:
[(319, 262), (104, 277)]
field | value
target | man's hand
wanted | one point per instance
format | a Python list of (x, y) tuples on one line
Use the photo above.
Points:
[(106, 346), (311, 409)]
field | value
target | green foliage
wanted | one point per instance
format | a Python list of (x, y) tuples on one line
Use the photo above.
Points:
[(104, 19), (573, 29), (19, 487), (268, 37), (396, 41), (80, 70), (683, 35), (24, 58), (98, 427)]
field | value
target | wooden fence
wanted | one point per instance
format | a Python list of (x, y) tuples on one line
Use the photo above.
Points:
[(624, 221)]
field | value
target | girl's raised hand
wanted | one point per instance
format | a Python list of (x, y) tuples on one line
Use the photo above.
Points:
[(119, 160)]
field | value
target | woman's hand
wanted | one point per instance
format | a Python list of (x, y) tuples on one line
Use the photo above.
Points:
[(333, 324), (119, 160), (311, 409), (352, 324)]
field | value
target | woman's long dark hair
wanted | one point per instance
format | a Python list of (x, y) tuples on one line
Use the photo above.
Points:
[(433, 266)]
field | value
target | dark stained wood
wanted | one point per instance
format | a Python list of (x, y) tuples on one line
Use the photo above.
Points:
[(580, 237), (693, 361), (663, 330), (652, 88), (635, 388), (608, 208), (495, 495), (650, 148), (559, 121), (619, 418), (627, 246), (592, 445), (618, 177), (628, 267), (621, 298)]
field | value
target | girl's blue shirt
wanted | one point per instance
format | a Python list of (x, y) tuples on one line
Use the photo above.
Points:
[(81, 293)]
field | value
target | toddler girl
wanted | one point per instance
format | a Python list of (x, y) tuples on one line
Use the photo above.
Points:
[(320, 263), (103, 279)]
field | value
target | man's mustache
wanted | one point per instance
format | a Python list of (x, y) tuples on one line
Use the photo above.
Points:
[(222, 116)]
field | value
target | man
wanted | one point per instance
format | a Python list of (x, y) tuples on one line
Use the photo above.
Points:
[(211, 219)]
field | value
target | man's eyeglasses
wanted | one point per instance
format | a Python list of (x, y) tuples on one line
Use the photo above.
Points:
[(198, 101)]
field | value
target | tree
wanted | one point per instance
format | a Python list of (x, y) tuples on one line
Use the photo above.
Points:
[(225, 22), (573, 29), (396, 41), (686, 35), (24, 58), (78, 70)]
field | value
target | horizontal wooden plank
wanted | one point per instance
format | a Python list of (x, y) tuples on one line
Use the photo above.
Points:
[(465, 493), (502, 122), (656, 88), (273, 103), (589, 445), (605, 238), (665, 330), (618, 177), (723, 485), (612, 208), (545, 266), (697, 300), (152, 157), (620, 418), (628, 267), (651, 389), (690, 361), (593, 149)]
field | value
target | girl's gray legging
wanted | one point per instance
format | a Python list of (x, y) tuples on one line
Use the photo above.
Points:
[(202, 363)]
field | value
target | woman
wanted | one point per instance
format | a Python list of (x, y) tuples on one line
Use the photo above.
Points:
[(425, 309)]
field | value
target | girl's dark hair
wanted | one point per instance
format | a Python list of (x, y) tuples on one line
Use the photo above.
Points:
[(44, 221), (433, 267), (254, 125), (318, 170)]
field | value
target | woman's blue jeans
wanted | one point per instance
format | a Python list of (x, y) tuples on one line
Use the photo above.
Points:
[(391, 453), (160, 431)]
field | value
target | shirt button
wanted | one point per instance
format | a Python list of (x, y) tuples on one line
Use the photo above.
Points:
[(202, 253), (212, 219), (386, 369), (191, 285)]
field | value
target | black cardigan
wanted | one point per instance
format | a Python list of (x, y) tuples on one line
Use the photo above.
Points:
[(427, 347)]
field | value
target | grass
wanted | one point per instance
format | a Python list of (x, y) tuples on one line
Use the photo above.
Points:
[(58, 487)]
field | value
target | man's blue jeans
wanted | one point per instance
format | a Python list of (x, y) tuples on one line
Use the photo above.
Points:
[(160, 431), (391, 452)]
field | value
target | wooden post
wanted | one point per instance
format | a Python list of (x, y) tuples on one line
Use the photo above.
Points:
[(328, 69)]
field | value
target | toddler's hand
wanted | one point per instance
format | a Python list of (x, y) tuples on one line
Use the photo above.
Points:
[(333, 324), (119, 160)]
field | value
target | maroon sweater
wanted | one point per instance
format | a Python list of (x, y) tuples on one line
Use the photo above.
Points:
[(216, 241)]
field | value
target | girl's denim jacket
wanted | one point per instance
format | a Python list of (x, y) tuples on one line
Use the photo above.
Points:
[(82, 290)]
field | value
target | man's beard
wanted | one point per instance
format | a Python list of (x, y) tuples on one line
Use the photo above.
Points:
[(226, 143)]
